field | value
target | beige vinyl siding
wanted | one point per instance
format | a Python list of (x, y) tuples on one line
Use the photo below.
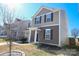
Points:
[(55, 36), (55, 20)]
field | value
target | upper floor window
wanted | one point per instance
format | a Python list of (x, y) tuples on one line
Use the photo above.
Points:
[(48, 17), (38, 20)]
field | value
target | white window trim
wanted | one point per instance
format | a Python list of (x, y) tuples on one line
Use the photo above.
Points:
[(36, 18), (46, 17), (50, 34)]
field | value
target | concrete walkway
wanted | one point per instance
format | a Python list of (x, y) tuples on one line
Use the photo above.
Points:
[(5, 43), (15, 43)]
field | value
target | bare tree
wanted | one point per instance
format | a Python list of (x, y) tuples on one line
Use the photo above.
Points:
[(7, 17), (75, 33)]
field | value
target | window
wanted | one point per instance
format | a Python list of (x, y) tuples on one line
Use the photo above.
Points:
[(48, 17), (38, 20), (47, 34)]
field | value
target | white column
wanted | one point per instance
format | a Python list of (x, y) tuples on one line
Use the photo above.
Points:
[(17, 36), (35, 36), (59, 31), (29, 36)]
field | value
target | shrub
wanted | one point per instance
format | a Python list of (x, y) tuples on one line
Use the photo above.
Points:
[(73, 46), (23, 40), (70, 47), (8, 39), (65, 46), (77, 48)]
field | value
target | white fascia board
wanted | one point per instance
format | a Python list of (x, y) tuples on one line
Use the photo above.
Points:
[(59, 30)]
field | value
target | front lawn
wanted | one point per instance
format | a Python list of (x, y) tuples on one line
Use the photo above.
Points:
[(2, 40), (28, 49), (34, 50)]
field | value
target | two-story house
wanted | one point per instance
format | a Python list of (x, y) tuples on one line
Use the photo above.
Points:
[(18, 28), (2, 31), (49, 26)]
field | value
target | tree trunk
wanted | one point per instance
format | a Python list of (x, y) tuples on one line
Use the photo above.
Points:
[(10, 40), (10, 47)]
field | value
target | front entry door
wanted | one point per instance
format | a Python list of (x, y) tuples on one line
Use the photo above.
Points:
[(37, 38)]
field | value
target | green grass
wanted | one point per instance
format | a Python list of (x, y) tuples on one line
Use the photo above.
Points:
[(2, 40)]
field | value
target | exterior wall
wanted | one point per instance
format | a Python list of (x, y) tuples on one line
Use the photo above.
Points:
[(55, 19), (63, 28), (55, 37), (53, 25)]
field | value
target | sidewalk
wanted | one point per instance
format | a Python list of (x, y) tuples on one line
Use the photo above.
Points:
[(5, 43)]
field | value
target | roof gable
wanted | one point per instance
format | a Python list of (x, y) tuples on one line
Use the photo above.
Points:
[(43, 10)]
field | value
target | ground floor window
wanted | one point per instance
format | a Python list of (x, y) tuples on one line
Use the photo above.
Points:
[(48, 34)]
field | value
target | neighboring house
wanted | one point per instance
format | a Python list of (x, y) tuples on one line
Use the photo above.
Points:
[(17, 28), (49, 26), (2, 32), (73, 41), (77, 41), (20, 27)]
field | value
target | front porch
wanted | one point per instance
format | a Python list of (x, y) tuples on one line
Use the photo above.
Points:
[(33, 35)]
